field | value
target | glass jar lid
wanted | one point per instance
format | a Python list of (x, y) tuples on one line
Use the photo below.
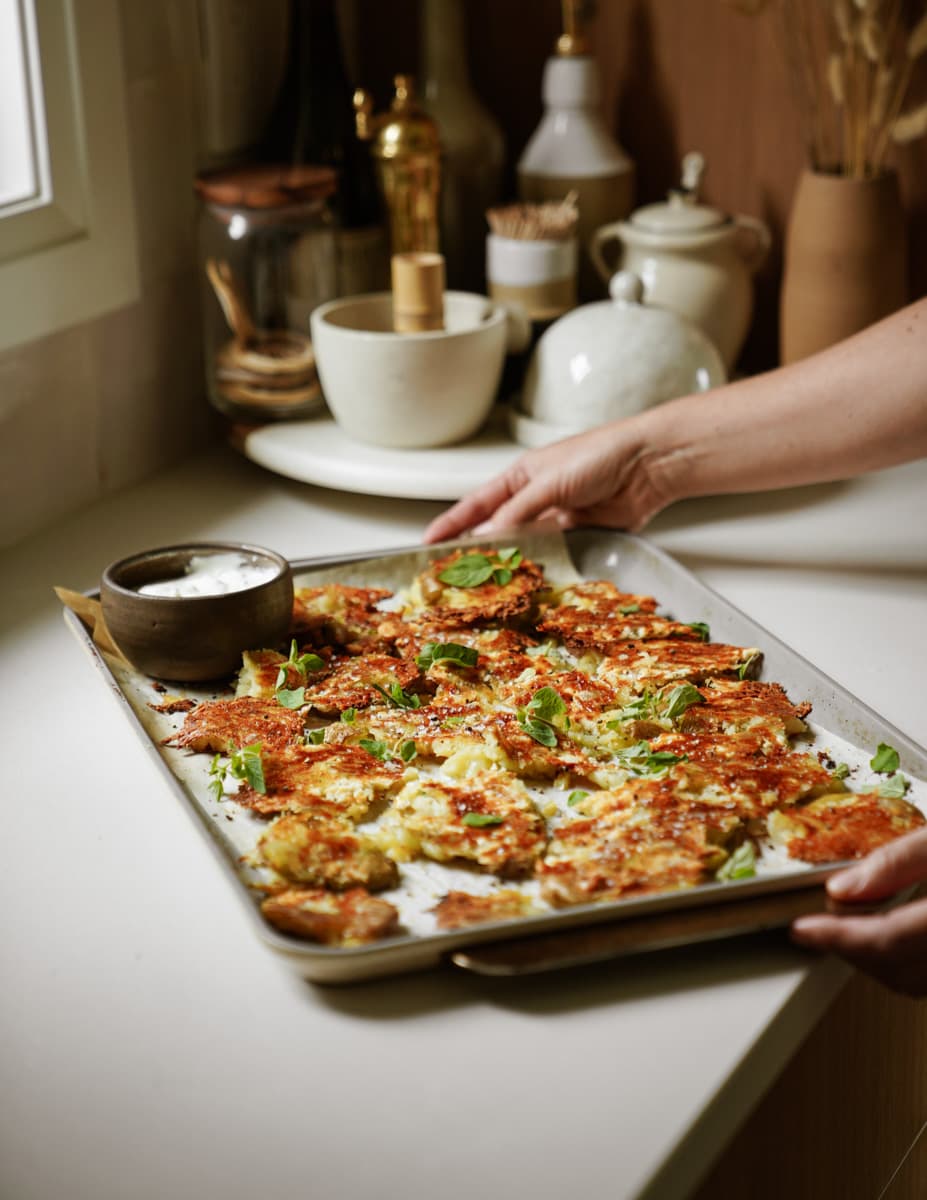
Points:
[(267, 185)]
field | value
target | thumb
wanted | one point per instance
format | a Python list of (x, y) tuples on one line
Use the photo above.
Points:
[(885, 871)]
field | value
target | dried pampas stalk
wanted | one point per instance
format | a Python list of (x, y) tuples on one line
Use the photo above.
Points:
[(835, 79), (917, 39), (872, 38), (844, 20), (881, 95), (910, 125)]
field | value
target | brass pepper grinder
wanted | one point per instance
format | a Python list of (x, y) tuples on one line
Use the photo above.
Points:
[(407, 154)]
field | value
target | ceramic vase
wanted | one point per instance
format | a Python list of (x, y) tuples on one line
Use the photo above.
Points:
[(845, 260)]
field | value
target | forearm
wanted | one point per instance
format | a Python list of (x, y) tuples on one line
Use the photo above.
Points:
[(854, 408)]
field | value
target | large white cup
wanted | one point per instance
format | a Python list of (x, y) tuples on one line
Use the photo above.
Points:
[(412, 389)]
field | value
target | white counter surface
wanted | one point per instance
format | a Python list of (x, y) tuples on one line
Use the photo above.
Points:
[(152, 1048)]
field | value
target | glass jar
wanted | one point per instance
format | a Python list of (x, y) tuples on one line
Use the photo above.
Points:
[(267, 249)]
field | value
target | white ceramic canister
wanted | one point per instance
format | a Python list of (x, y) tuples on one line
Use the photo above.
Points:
[(539, 275)]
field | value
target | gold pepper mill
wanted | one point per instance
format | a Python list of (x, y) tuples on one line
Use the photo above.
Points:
[(407, 155)]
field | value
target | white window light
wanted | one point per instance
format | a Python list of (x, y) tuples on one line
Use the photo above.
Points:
[(67, 235)]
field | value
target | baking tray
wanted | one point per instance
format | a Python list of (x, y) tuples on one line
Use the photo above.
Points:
[(590, 932)]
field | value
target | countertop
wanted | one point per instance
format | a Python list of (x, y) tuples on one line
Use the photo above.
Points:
[(151, 1047)]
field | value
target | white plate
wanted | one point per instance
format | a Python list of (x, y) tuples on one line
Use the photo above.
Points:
[(318, 451)]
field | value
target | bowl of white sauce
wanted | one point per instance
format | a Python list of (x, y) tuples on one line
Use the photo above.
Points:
[(187, 612)]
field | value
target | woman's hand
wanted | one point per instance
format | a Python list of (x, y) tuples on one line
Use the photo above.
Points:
[(892, 947), (610, 476)]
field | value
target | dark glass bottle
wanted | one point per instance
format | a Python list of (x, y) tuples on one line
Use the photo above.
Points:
[(313, 123)]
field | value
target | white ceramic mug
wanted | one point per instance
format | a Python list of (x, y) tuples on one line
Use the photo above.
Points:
[(413, 390)]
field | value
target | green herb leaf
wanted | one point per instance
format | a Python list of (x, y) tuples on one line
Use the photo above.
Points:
[(470, 570), (397, 697), (640, 759), (894, 787), (747, 666), (575, 796), (841, 771), (407, 751), (247, 764), (701, 629), (217, 776), (291, 699), (680, 699), (511, 556), (502, 576), (635, 711), (315, 737), (546, 704), (479, 820), (432, 652), (452, 722), (377, 748), (541, 731), (627, 609), (740, 865), (280, 681), (886, 760), (349, 716)]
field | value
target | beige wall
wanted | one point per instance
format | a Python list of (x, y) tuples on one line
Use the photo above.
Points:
[(104, 403)]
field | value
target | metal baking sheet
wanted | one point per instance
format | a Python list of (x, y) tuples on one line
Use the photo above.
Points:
[(840, 723)]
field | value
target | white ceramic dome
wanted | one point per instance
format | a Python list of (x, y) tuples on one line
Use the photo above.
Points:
[(612, 359)]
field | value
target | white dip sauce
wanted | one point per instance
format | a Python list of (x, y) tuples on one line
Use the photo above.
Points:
[(213, 575)]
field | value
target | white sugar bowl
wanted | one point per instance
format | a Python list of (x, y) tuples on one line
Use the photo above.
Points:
[(609, 360)]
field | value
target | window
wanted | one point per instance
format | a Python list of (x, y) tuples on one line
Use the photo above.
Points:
[(67, 236)]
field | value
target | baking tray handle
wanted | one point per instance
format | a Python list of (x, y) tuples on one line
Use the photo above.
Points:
[(596, 943)]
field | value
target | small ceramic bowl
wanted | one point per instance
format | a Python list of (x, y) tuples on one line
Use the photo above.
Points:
[(191, 638), (413, 390)]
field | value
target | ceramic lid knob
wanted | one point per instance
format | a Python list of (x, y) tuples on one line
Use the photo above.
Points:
[(626, 288)]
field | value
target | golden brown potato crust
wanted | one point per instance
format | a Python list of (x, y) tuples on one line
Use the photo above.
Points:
[(325, 853), (849, 825), (337, 919), (223, 725), (458, 909), (489, 601), (330, 781)]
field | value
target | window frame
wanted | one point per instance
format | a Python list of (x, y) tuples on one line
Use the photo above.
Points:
[(71, 256)]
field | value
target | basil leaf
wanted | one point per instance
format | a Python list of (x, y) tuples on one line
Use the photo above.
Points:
[(280, 681), (309, 662), (886, 760), (740, 865), (539, 730), (397, 697), (291, 699), (315, 737), (478, 820), (349, 716), (246, 764), (894, 787), (378, 749), (511, 556), (217, 776), (680, 699), (642, 761), (502, 576), (747, 666), (470, 570), (641, 707), (546, 704), (841, 771), (452, 722), (701, 629), (627, 609), (408, 751), (432, 652), (575, 796)]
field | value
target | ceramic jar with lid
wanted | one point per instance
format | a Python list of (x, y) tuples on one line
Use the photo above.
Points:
[(610, 360), (693, 259), (268, 256)]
